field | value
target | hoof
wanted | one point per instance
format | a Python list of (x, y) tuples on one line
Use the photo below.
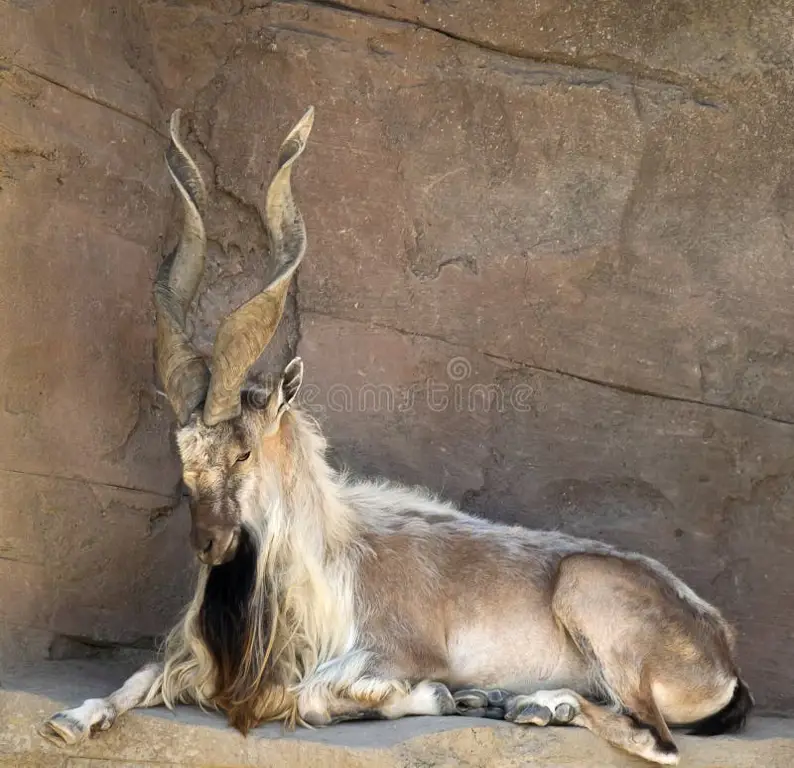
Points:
[(63, 730), (657, 751), (497, 697), (563, 714), (470, 702), (478, 712), (542, 708), (529, 714), (482, 702)]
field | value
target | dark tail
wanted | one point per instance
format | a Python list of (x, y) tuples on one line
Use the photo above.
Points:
[(730, 718)]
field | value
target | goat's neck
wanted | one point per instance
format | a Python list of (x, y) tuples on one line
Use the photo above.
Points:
[(307, 540), (319, 519)]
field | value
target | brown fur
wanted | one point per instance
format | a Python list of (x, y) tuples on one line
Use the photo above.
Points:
[(362, 593), (321, 598)]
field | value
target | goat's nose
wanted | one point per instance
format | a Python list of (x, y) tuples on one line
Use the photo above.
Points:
[(204, 543), (212, 544), (201, 539), (207, 550), (205, 547)]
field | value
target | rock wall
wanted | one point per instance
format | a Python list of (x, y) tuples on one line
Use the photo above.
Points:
[(549, 275)]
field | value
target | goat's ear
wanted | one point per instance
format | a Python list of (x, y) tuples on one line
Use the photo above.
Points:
[(282, 396), (290, 383)]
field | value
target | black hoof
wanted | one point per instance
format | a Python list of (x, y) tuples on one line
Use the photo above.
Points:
[(529, 714), (563, 714), (497, 697), (470, 700)]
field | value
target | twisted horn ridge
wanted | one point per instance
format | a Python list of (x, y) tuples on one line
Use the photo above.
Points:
[(243, 335), (182, 370)]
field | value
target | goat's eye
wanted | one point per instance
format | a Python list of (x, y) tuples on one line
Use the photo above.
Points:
[(243, 456)]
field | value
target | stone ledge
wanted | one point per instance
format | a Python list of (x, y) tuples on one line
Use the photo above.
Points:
[(192, 738)]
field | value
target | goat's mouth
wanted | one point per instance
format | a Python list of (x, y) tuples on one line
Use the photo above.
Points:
[(221, 552)]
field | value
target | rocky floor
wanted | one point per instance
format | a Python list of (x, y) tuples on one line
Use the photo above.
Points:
[(192, 738)]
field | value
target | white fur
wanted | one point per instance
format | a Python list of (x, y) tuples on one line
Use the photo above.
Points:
[(311, 527)]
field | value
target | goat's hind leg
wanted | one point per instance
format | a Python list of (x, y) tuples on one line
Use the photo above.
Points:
[(621, 652), (71, 726), (566, 707)]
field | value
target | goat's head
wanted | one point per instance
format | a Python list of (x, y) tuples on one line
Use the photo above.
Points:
[(225, 430)]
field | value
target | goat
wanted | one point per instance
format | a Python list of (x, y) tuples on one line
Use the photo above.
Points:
[(321, 598)]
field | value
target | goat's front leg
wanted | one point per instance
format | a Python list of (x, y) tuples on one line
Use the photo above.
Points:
[(72, 726), (355, 687)]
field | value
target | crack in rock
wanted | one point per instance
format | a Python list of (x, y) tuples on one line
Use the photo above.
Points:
[(600, 73), (88, 97)]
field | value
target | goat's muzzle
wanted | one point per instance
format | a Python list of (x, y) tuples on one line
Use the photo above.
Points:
[(215, 544)]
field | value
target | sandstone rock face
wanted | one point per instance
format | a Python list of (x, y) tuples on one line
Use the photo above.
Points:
[(549, 276)]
